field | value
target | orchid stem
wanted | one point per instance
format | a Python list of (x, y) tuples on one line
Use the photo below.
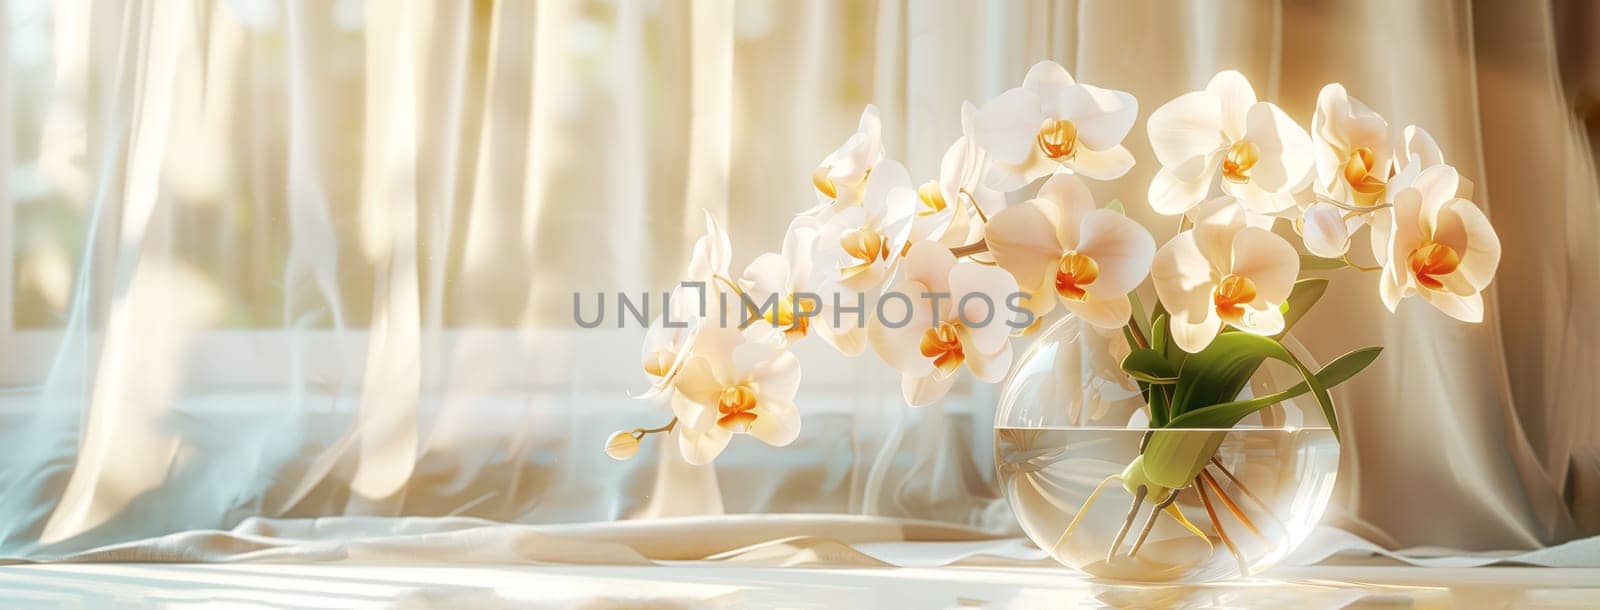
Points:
[(1352, 265), (641, 432), (977, 247)]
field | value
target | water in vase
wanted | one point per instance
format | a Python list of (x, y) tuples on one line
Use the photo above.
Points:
[(1259, 497)]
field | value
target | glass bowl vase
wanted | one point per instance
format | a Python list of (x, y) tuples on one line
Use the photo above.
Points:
[(1070, 422)]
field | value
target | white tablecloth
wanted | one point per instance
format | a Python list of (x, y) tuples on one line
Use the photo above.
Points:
[(731, 561)]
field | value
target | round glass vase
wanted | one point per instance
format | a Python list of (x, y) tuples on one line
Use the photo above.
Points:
[(1070, 421)]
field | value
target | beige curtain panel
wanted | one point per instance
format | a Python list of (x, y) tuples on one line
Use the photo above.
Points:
[(281, 259)]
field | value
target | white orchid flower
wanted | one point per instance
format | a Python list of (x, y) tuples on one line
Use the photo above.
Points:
[(668, 340), (1263, 156), (1354, 162), (1418, 152), (735, 383), (841, 178), (779, 287), (950, 208), (964, 323), (1220, 274), (1354, 159), (857, 248), (1051, 122), (1059, 246), (1439, 246)]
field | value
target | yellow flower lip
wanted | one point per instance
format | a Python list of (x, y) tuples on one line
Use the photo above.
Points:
[(659, 362), (943, 345), (1430, 260), (1073, 273), (1058, 138), (824, 184), (932, 200), (1242, 156), (1231, 295), (735, 404), (1359, 175)]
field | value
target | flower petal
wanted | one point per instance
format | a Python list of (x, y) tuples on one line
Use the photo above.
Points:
[(701, 381), (1072, 201), (778, 374), (928, 263), (885, 177), (1267, 260), (1121, 247), (1184, 278), (1108, 164), (1103, 116), (1466, 308), (1023, 240), (1286, 151), (899, 345), (1236, 96), (1189, 126), (1046, 77), (989, 367), (1103, 312), (1171, 195), (1323, 228), (1007, 125), (1464, 227), (1226, 210), (692, 414), (767, 275), (777, 422), (700, 447), (711, 252), (1261, 318), (984, 315)]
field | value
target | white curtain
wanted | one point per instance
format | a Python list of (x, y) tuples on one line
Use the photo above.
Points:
[(299, 258)]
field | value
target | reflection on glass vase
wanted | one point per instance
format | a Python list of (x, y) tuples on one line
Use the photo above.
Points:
[(1097, 488)]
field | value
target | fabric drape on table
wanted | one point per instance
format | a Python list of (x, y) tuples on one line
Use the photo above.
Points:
[(310, 259)]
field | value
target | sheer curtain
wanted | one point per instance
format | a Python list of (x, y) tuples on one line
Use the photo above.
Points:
[(298, 258)]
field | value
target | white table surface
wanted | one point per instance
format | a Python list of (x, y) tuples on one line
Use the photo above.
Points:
[(700, 584)]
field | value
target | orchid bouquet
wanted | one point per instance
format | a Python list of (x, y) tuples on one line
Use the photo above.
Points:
[(1009, 219)]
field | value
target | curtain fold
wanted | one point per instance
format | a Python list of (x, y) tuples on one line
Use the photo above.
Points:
[(301, 259)]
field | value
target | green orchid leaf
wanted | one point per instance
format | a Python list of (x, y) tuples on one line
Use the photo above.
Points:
[(1218, 372), (1227, 414), (1116, 206), (1304, 295), (1149, 366), (1141, 323), (1158, 335), (1317, 263)]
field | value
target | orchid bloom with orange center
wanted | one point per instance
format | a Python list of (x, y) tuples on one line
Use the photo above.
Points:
[(840, 179), (1215, 275), (951, 209), (778, 287), (856, 250), (737, 382), (1439, 246), (1354, 163), (1052, 122), (1060, 247), (965, 324), (1262, 156)]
